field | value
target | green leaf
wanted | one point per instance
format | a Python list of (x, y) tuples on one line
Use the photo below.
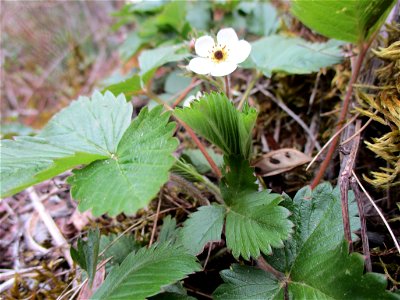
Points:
[(149, 60), (86, 255), (142, 274), (199, 14), (333, 275), (215, 118), (117, 249), (255, 222), (261, 18), (315, 213), (128, 87), (168, 232), (352, 21), (173, 15), (203, 226), (131, 45), (243, 282), (277, 53), (130, 178), (176, 83), (85, 131), (315, 260), (197, 159)]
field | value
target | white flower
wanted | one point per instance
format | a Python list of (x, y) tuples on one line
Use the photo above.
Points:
[(191, 98), (221, 58)]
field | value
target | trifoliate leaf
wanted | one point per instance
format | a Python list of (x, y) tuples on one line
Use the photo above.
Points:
[(85, 131), (315, 260), (215, 118), (333, 275), (293, 55), (142, 274), (132, 176), (203, 226), (315, 214), (86, 255), (353, 21)]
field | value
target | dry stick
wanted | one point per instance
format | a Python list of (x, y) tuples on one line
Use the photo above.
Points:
[(201, 147), (330, 140), (51, 226), (290, 113), (156, 218), (378, 211), (363, 221), (357, 132), (343, 115), (344, 182)]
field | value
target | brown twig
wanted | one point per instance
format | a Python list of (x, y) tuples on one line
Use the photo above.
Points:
[(184, 93), (343, 114), (364, 238), (153, 232), (348, 161)]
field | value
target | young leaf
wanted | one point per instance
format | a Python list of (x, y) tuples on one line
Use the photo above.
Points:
[(215, 118), (315, 260), (352, 21), (293, 55), (131, 177), (87, 253), (119, 249), (85, 131), (203, 226), (142, 274)]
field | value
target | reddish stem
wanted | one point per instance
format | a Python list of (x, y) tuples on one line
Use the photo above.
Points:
[(201, 147), (342, 117)]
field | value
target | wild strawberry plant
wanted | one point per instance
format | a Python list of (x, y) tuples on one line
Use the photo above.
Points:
[(286, 248)]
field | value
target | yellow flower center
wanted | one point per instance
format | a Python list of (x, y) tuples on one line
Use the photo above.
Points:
[(219, 54)]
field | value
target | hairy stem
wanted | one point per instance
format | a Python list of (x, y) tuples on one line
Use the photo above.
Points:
[(252, 83), (263, 265), (343, 115)]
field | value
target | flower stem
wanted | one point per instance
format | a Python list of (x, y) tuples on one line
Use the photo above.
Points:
[(252, 83), (228, 86)]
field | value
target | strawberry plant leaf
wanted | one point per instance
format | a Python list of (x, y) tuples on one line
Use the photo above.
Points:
[(215, 118), (351, 21), (254, 220), (315, 260), (293, 55), (203, 226), (131, 177), (85, 131), (168, 232), (128, 87), (142, 274), (86, 255)]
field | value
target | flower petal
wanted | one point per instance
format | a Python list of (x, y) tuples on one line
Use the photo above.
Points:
[(227, 36), (204, 45), (239, 52), (200, 65), (223, 68)]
